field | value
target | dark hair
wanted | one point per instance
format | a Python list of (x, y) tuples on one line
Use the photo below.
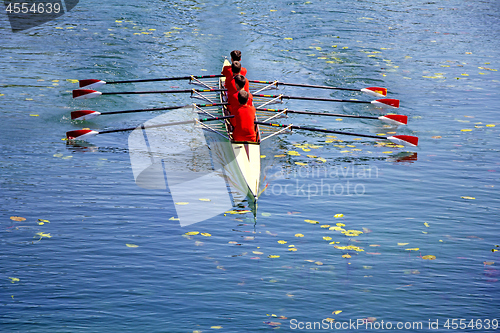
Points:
[(236, 67), (240, 80), (243, 97), (236, 55)]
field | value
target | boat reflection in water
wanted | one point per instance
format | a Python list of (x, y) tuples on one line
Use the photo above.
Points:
[(199, 170)]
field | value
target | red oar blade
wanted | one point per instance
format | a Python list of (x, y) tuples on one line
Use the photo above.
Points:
[(85, 93), (375, 91), (84, 114), (386, 103), (91, 83), (82, 134), (405, 140), (394, 119)]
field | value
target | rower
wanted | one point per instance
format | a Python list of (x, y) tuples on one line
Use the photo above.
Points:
[(235, 56), (229, 84), (244, 129), (240, 82)]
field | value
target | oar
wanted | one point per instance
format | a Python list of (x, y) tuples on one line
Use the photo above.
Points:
[(88, 93), (372, 91), (394, 119), (406, 140), (89, 114), (84, 134), (94, 84), (385, 102)]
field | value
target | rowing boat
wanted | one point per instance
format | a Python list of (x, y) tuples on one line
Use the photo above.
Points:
[(246, 154)]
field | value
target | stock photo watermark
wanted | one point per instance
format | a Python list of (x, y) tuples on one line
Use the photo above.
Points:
[(26, 14), (314, 181)]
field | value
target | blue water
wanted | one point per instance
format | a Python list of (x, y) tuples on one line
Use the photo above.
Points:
[(439, 58)]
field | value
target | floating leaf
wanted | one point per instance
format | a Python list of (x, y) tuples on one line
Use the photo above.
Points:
[(338, 215), (257, 252), (426, 224), (331, 320), (325, 226), (132, 245), (413, 249), (319, 263), (300, 163), (347, 256), (488, 263), (468, 198), (282, 241), (336, 312), (174, 219), (203, 199), (429, 257), (273, 256), (216, 327), (292, 249), (340, 224), (192, 233), (490, 125), (311, 221), (206, 234), (42, 235), (17, 218), (13, 279), (299, 235)]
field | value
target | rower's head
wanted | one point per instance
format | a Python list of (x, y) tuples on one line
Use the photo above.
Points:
[(239, 81), (236, 67), (235, 55), (243, 97)]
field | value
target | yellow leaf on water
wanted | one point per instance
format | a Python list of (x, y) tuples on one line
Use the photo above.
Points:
[(192, 233), (319, 263), (17, 218), (426, 224), (327, 238), (174, 219), (340, 224), (300, 163), (338, 215), (273, 256), (413, 249), (468, 198), (132, 245), (325, 226), (429, 257), (403, 244), (311, 221), (181, 203), (330, 320), (216, 327), (347, 256), (291, 245), (281, 155), (336, 312), (41, 234), (257, 252), (292, 249), (203, 199), (466, 130), (299, 235), (282, 241), (206, 234), (490, 125), (288, 38), (13, 279)]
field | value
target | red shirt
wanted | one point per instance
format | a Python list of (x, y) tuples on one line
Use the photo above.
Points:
[(234, 104), (227, 71), (244, 129)]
